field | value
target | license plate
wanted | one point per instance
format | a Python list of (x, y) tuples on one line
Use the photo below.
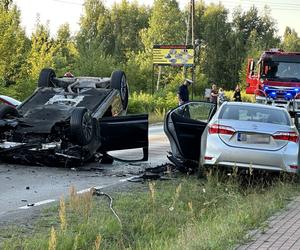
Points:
[(253, 138)]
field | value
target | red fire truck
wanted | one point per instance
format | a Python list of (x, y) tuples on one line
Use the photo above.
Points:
[(275, 79)]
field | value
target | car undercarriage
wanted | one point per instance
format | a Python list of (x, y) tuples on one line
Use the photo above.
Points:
[(71, 120)]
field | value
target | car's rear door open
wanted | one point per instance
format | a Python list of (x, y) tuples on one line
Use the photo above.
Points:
[(124, 132)]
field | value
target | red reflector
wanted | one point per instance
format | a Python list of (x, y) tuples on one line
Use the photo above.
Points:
[(286, 136), (208, 158), (220, 129), (294, 166)]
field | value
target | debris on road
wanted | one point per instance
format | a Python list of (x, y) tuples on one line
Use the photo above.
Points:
[(161, 172)]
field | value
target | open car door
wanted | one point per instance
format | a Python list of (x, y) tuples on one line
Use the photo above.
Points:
[(124, 132), (184, 126)]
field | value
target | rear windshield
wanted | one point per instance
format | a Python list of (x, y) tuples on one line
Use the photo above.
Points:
[(255, 114)]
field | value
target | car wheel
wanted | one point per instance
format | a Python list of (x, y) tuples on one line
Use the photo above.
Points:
[(119, 82), (46, 78), (81, 127), (7, 111)]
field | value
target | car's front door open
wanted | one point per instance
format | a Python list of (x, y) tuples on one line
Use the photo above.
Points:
[(124, 132), (184, 126)]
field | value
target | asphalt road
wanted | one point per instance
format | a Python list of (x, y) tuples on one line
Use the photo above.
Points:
[(22, 186)]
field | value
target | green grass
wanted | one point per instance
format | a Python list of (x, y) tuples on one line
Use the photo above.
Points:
[(157, 116), (185, 213)]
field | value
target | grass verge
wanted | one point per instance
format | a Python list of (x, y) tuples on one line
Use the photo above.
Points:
[(185, 213)]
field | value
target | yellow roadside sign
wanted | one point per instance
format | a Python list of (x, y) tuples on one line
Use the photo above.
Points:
[(173, 55)]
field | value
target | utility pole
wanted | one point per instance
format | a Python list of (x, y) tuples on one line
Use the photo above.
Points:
[(193, 43), (190, 34)]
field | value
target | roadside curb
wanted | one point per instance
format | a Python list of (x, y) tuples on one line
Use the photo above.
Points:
[(280, 231)]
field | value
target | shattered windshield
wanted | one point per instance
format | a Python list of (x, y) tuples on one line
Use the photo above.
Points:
[(288, 71)]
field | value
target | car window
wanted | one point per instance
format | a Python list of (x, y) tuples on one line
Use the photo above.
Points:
[(255, 114), (199, 111)]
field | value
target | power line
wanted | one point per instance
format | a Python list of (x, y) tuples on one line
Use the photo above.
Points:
[(274, 6)]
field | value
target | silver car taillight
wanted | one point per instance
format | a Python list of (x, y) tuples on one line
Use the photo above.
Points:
[(220, 129), (286, 136)]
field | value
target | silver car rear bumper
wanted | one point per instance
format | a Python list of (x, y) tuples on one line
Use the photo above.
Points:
[(222, 154)]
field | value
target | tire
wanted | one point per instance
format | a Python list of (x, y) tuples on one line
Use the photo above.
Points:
[(46, 78), (81, 127), (118, 81), (7, 111)]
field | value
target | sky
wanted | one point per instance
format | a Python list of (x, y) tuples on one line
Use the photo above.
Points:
[(57, 12)]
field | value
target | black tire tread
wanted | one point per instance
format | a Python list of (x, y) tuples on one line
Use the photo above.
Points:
[(76, 133), (115, 80), (45, 77)]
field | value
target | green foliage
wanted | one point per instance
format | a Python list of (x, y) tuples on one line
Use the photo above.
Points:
[(42, 51), (95, 29), (245, 97), (166, 24), (127, 19), (146, 103), (291, 41), (65, 53), (13, 44)]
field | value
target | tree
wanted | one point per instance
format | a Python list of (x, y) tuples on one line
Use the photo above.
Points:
[(291, 41), (13, 44), (253, 34), (128, 19), (65, 52), (166, 24), (42, 51), (216, 52), (95, 29)]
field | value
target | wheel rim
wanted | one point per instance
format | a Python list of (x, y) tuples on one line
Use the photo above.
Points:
[(123, 89), (87, 126)]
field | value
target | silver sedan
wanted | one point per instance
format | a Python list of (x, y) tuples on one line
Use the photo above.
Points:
[(242, 135)]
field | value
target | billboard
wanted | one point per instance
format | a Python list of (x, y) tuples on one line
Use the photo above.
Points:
[(173, 55)]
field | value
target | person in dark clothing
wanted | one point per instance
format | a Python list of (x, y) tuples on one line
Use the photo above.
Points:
[(214, 94), (183, 92), (237, 94)]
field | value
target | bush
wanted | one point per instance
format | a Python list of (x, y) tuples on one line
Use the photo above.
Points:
[(245, 97), (140, 102)]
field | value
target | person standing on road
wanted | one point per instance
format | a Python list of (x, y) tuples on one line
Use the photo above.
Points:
[(183, 92), (237, 94), (214, 94), (221, 97)]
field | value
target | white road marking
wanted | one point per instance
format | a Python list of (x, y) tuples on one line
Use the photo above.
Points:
[(36, 204)]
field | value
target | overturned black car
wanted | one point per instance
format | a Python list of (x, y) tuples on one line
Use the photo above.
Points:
[(69, 120)]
